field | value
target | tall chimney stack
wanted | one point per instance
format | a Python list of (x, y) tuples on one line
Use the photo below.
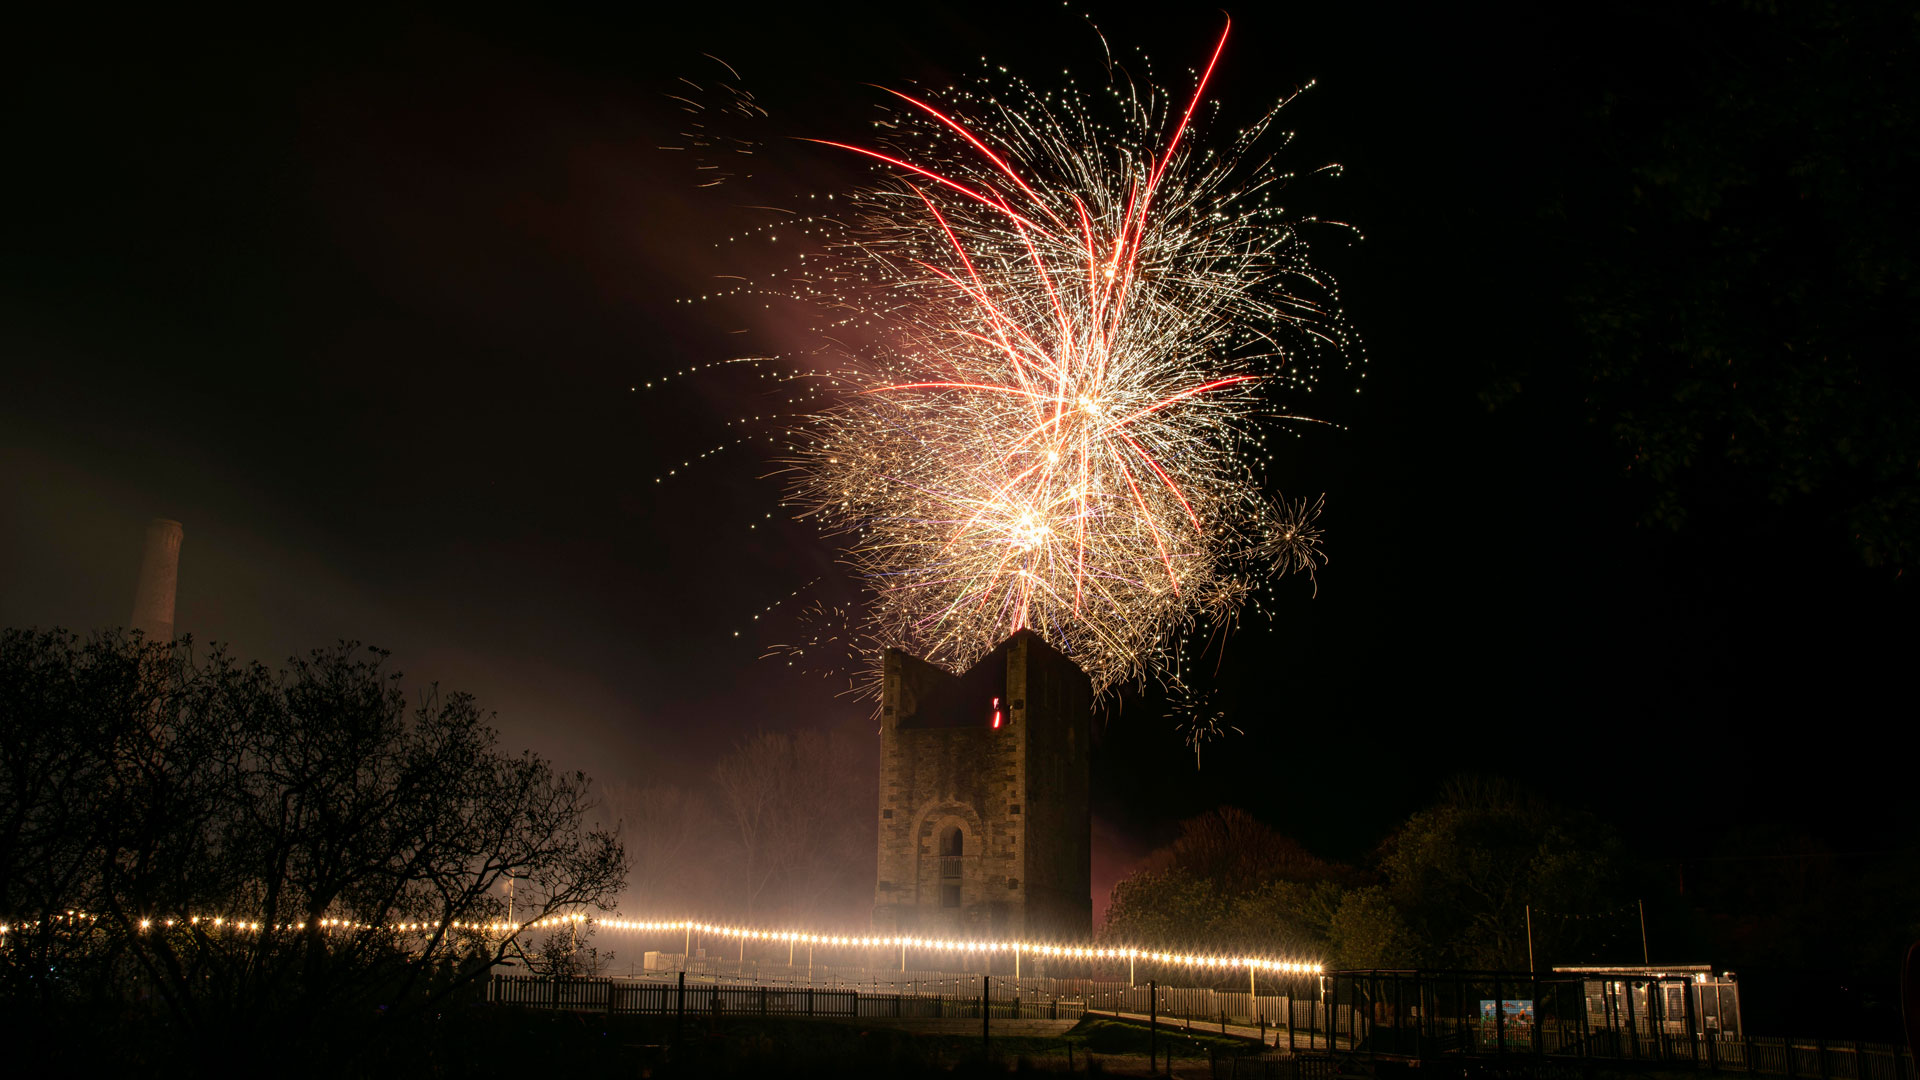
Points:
[(159, 578)]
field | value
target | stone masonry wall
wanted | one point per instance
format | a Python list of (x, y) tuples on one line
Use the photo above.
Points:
[(1017, 793)]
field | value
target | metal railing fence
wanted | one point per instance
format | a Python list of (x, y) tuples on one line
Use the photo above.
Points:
[(630, 997)]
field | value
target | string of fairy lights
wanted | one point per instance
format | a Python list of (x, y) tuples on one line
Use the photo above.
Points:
[(1198, 959)]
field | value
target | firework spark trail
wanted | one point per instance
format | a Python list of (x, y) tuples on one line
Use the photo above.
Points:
[(1085, 328)]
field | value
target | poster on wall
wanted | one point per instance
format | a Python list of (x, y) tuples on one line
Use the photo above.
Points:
[(1514, 1010), (1516, 1014)]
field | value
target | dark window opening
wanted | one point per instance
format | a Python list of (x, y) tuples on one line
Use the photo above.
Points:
[(886, 814), (952, 844)]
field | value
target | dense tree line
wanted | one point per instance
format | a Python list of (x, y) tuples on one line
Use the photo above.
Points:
[(1449, 888), (218, 854), (1494, 876)]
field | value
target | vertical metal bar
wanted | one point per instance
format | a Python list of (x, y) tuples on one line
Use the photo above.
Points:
[(1586, 1025), (1693, 1014), (1460, 1015), (1373, 997), (1534, 1037), (1633, 1024), (986, 990), (1499, 1018), (1399, 1032), (1153, 1025)]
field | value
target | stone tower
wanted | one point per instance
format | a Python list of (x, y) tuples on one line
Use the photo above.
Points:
[(159, 580), (984, 820)]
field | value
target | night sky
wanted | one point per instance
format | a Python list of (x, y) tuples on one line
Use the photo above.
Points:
[(360, 301)]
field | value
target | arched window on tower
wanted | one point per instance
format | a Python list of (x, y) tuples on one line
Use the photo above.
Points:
[(952, 849)]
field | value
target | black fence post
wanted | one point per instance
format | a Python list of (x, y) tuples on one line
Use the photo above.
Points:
[(1153, 1026), (1468, 1044), (1586, 1019), (680, 1011), (1633, 1024), (986, 991), (1688, 991), (1820, 1058), (1536, 1037), (1499, 1020)]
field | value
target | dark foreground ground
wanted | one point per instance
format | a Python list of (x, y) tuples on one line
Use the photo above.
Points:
[(486, 1041), (646, 1046)]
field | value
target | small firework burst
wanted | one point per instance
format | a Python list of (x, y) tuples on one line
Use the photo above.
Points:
[(1292, 541), (1199, 721)]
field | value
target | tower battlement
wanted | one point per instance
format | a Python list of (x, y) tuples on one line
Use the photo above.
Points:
[(985, 828)]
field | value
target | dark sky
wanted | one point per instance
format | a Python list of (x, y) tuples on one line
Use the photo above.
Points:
[(361, 300)]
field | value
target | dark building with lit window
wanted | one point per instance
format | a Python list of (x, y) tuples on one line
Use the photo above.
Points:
[(984, 822)]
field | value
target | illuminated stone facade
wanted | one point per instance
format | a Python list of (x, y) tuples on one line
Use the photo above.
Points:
[(984, 823)]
